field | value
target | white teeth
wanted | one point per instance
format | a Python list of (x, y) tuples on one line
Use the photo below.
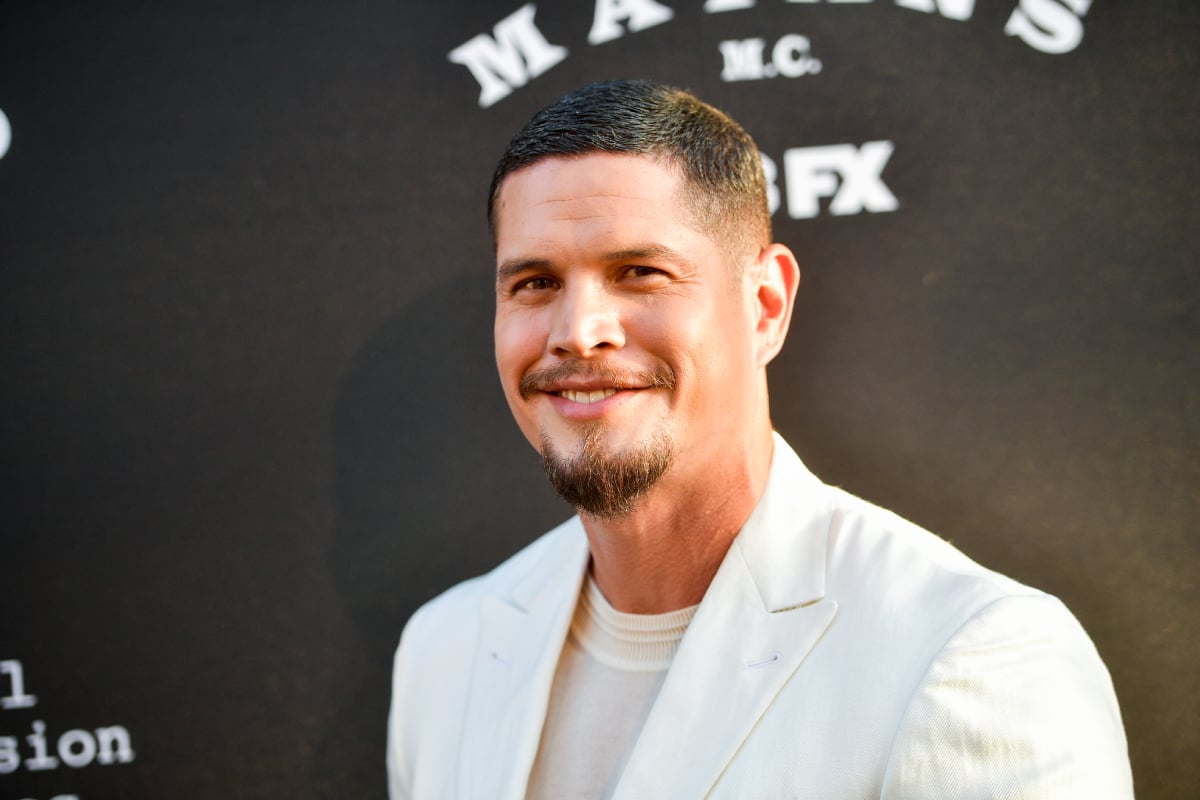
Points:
[(587, 398)]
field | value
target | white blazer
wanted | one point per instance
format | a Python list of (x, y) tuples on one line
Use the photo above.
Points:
[(840, 652)]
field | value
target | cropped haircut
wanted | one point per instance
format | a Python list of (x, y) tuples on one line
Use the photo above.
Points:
[(723, 183)]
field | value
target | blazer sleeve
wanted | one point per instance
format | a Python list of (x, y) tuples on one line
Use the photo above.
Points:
[(430, 677), (1017, 704), (398, 745)]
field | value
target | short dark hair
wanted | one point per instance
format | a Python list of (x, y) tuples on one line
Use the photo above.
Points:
[(721, 165)]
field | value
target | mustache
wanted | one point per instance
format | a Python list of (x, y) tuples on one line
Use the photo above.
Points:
[(659, 376)]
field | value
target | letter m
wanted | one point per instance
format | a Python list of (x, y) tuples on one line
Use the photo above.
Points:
[(517, 53), (743, 59)]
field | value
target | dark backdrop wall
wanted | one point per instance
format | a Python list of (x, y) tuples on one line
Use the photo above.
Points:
[(249, 417)]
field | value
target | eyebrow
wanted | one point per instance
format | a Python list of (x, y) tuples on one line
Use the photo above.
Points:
[(656, 251), (517, 266)]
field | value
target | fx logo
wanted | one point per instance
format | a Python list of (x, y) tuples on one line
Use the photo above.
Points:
[(851, 176)]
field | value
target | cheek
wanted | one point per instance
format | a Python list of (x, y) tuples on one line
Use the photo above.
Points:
[(711, 352), (516, 352), (519, 343), (682, 340)]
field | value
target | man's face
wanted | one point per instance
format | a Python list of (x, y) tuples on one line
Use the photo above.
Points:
[(624, 341)]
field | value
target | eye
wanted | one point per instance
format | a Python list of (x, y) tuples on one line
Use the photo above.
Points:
[(539, 283), (642, 271)]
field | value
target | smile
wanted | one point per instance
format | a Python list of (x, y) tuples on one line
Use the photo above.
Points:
[(587, 398)]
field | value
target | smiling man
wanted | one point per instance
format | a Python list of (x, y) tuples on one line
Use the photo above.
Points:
[(715, 622)]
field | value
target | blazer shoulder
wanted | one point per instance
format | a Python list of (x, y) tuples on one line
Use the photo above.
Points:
[(888, 574), (873, 539), (433, 665), (457, 608)]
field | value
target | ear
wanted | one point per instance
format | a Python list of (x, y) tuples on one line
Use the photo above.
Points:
[(776, 277)]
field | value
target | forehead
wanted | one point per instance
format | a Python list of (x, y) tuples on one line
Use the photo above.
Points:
[(599, 195)]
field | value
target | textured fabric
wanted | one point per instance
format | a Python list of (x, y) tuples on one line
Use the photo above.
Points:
[(637, 642), (840, 652), (608, 675)]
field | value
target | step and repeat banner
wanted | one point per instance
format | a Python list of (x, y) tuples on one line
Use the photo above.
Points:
[(250, 418)]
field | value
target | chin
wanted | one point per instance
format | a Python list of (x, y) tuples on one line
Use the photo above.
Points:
[(603, 481)]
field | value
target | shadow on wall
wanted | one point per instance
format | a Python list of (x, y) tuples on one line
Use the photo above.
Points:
[(434, 484)]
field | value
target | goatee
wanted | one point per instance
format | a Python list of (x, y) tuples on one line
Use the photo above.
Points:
[(603, 484)]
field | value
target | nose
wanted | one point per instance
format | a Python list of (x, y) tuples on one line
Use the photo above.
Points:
[(586, 322)]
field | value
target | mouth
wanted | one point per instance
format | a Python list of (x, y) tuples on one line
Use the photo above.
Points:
[(587, 384), (586, 397)]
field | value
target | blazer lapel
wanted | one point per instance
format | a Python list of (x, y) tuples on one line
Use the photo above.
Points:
[(521, 635), (762, 614)]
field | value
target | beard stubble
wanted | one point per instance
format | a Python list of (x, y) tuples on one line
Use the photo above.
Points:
[(603, 484)]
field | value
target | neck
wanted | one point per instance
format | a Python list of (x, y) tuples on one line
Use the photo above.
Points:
[(663, 556)]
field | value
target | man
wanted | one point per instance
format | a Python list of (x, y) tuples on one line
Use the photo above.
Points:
[(715, 622)]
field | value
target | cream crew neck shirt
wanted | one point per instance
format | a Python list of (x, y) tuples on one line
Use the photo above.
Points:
[(608, 676)]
